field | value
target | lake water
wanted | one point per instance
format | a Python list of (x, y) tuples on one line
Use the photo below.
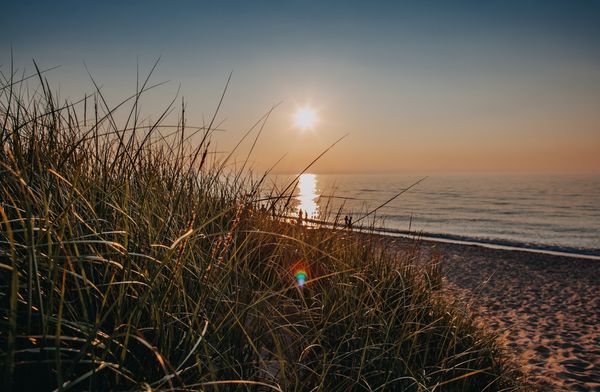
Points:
[(546, 212)]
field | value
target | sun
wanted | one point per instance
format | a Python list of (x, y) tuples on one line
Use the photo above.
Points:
[(305, 118)]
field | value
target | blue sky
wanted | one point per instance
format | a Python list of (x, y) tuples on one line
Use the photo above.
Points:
[(490, 85)]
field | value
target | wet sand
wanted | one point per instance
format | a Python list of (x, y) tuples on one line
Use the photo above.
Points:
[(545, 308)]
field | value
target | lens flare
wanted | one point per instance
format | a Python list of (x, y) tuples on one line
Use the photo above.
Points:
[(300, 277)]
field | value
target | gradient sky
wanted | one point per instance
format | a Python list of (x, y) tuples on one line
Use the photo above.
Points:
[(418, 86)]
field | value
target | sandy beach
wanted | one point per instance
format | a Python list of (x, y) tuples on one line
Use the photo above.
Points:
[(545, 308)]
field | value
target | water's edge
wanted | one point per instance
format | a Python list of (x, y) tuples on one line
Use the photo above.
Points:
[(541, 213), (591, 254)]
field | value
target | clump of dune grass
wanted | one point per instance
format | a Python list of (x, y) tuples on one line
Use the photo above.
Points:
[(131, 259)]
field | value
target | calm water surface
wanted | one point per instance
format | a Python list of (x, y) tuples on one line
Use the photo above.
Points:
[(556, 212)]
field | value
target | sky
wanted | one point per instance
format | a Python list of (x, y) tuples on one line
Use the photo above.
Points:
[(417, 86)]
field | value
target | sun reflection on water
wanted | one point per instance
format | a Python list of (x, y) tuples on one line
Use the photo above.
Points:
[(307, 195)]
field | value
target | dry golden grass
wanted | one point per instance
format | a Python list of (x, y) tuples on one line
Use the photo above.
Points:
[(129, 259)]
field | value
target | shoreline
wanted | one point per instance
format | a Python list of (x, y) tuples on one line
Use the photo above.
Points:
[(490, 245), (462, 240), (545, 308)]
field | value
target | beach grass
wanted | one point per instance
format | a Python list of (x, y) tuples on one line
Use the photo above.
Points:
[(133, 258)]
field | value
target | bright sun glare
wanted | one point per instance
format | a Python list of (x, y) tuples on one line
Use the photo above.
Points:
[(305, 118)]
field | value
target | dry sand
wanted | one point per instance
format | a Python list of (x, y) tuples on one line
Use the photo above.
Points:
[(546, 308)]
